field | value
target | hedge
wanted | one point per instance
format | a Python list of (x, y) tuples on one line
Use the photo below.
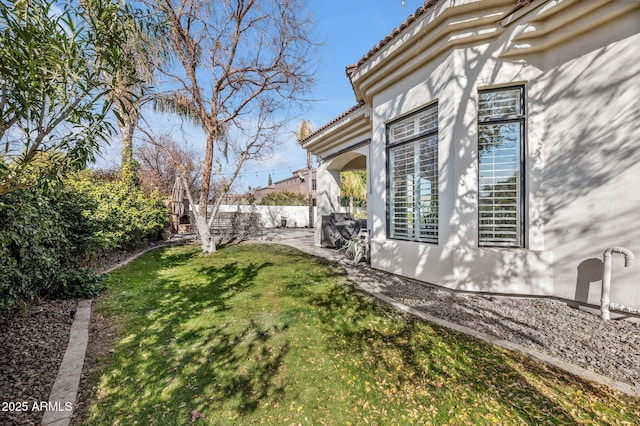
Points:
[(48, 239)]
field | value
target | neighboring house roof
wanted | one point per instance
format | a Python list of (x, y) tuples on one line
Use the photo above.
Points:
[(296, 174)]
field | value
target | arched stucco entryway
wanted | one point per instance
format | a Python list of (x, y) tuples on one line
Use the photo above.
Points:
[(329, 169)]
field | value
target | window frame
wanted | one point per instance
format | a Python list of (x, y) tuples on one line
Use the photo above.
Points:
[(520, 119), (414, 140)]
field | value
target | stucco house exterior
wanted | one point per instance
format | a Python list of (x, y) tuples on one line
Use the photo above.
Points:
[(501, 140)]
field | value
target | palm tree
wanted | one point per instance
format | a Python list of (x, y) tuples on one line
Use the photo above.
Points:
[(353, 184), (141, 50), (304, 131)]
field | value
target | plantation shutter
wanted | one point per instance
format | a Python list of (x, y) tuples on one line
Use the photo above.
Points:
[(500, 142), (413, 177)]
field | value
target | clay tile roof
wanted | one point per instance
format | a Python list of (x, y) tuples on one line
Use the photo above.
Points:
[(350, 69), (411, 19), (332, 122), (382, 43)]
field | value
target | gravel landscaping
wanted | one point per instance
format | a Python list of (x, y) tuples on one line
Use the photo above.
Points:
[(34, 340), (610, 348)]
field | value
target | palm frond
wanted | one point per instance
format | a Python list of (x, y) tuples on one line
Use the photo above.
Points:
[(304, 130), (177, 103)]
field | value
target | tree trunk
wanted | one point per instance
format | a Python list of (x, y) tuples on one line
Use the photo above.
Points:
[(206, 173), (127, 127), (204, 230), (206, 238), (351, 205), (126, 165), (202, 225)]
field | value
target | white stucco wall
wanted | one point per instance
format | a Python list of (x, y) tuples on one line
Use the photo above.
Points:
[(417, 260), (582, 157), (592, 172), (297, 216), (582, 166), (457, 262)]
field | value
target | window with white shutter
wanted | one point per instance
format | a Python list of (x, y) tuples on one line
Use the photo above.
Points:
[(501, 120), (413, 176)]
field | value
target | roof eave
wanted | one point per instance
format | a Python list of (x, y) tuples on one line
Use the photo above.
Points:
[(431, 32), (356, 120)]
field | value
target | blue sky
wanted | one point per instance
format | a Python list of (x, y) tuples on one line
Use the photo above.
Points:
[(347, 29)]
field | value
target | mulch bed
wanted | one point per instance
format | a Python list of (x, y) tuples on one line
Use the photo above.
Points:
[(33, 341)]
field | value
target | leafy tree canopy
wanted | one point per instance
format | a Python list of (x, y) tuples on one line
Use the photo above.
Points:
[(53, 96)]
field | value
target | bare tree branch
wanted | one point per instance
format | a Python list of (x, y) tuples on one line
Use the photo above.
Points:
[(239, 65)]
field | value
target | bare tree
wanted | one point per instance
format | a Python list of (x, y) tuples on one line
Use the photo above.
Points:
[(239, 66), (161, 160)]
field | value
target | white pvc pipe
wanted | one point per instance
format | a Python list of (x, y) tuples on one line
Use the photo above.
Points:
[(605, 303)]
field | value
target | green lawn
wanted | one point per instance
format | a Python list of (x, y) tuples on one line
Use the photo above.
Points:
[(266, 334)]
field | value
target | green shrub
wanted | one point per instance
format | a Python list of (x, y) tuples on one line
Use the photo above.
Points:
[(82, 283), (125, 215), (284, 198), (49, 238), (42, 236)]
